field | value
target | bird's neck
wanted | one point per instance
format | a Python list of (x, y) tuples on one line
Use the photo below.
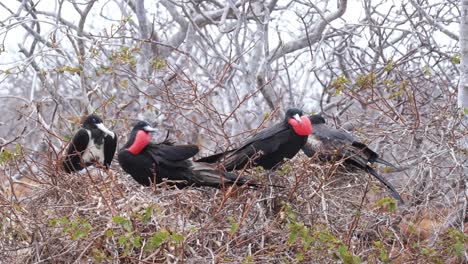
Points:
[(142, 139), (97, 135)]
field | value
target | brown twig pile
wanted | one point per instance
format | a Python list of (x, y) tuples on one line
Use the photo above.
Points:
[(325, 214)]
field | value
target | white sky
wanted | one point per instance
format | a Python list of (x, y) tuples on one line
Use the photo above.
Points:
[(16, 35)]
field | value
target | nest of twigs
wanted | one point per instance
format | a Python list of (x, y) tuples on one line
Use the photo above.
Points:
[(324, 214)]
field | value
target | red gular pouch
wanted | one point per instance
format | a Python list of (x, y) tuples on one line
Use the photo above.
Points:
[(303, 128), (142, 139)]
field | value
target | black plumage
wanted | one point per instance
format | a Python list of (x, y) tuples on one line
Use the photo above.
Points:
[(92, 143), (269, 147), (148, 163), (330, 144)]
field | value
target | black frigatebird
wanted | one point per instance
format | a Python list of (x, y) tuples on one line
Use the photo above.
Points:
[(148, 162), (92, 143), (270, 146), (331, 144)]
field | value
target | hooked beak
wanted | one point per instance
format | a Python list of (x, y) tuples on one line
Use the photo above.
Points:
[(298, 118), (105, 130), (149, 129)]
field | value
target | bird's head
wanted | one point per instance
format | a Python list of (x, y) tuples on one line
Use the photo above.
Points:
[(140, 137), (300, 123), (144, 126), (95, 122), (316, 119)]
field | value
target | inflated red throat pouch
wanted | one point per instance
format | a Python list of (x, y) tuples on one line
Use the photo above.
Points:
[(302, 129), (142, 139)]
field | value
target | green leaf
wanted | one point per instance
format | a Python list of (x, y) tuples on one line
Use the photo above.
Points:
[(307, 241), (177, 238), (148, 214), (6, 155), (158, 64), (326, 236), (347, 257), (118, 219), (77, 234), (126, 224), (59, 221), (389, 67), (109, 233), (427, 70), (339, 84), (122, 240), (156, 240), (455, 59), (234, 225), (383, 255), (124, 84), (248, 260), (69, 69), (98, 255), (300, 257), (366, 81), (137, 241), (387, 202), (295, 229)]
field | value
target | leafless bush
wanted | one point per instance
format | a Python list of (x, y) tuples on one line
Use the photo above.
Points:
[(325, 213), (212, 74)]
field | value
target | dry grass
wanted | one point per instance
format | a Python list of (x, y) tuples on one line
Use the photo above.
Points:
[(324, 215)]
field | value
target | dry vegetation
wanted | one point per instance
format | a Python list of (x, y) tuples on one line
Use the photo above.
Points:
[(324, 215), (212, 77)]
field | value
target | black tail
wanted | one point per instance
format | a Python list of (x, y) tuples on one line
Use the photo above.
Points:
[(215, 157), (392, 190), (384, 162), (208, 175)]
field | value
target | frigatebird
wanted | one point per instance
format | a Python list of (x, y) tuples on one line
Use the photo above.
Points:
[(270, 146), (92, 143), (330, 144), (149, 162)]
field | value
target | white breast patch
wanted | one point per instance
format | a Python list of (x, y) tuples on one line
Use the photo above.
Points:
[(93, 152)]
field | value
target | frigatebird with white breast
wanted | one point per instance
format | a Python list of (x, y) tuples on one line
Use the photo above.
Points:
[(93, 143)]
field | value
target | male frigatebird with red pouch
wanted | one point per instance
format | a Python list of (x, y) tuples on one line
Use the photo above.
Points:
[(93, 143), (269, 147), (330, 144), (148, 162)]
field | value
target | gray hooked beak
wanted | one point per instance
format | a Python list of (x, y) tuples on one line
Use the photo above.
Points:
[(105, 130), (298, 118), (149, 129)]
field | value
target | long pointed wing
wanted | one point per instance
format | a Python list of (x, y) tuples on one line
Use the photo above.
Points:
[(234, 156), (172, 152), (207, 175), (215, 157), (341, 144), (110, 145), (263, 146), (326, 132), (265, 134), (390, 187), (79, 142)]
